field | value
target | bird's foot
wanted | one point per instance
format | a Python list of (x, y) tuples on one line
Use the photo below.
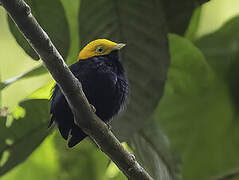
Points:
[(108, 125), (93, 108)]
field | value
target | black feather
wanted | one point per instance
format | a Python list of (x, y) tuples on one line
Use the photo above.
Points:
[(104, 84)]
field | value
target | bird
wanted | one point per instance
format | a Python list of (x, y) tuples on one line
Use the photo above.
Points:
[(104, 83)]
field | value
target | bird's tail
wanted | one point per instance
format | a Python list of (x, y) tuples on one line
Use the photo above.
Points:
[(76, 135)]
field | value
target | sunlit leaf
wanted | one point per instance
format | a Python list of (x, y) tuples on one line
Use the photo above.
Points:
[(51, 16), (113, 173), (43, 92)]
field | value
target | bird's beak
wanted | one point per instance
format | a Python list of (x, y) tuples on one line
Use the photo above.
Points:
[(119, 46)]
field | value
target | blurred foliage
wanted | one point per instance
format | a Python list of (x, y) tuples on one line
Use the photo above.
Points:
[(154, 151), (33, 72), (24, 134), (49, 17), (191, 133), (190, 33), (205, 135)]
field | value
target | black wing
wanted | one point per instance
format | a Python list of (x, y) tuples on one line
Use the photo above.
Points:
[(95, 81)]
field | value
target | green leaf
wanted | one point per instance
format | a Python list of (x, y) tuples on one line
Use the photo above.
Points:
[(51, 16), (153, 149), (197, 114), (85, 161), (43, 92), (24, 135), (39, 70), (193, 25), (189, 73), (145, 57), (72, 9), (41, 164), (0, 92), (178, 14), (221, 49), (21, 40)]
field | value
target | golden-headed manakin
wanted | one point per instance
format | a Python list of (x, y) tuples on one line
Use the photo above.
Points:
[(103, 81)]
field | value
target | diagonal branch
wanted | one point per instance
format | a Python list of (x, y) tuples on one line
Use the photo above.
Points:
[(20, 12)]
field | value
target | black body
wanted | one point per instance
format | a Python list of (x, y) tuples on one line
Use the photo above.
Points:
[(105, 86)]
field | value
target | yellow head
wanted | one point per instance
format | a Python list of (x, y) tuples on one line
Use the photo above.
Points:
[(99, 47)]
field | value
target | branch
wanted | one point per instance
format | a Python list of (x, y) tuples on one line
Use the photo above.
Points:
[(229, 175), (20, 12)]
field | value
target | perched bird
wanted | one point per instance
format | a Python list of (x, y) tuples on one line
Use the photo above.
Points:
[(103, 81)]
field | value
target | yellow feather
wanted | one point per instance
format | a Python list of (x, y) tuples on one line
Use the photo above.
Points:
[(98, 47)]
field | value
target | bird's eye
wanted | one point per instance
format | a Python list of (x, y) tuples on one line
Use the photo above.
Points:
[(99, 49)]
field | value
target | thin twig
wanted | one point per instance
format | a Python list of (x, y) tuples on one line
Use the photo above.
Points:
[(228, 176), (20, 12)]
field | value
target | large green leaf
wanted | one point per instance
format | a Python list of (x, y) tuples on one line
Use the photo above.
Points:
[(221, 49), (140, 25), (24, 135), (153, 149), (197, 114), (51, 16)]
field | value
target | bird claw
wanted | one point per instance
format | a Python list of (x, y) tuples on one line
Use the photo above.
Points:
[(93, 108), (109, 126)]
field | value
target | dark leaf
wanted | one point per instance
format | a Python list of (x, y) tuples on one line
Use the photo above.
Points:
[(178, 14), (139, 24), (152, 148), (51, 16)]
